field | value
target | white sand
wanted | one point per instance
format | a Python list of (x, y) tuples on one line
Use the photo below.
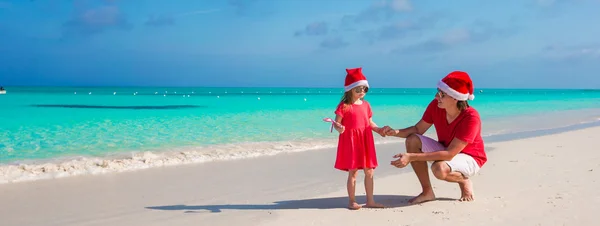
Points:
[(549, 180)]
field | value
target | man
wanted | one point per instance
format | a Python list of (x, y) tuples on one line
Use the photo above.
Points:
[(459, 152)]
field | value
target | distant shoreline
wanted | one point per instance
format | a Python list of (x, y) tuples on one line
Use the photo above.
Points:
[(290, 87)]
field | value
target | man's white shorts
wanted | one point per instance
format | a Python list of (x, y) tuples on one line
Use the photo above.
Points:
[(461, 162)]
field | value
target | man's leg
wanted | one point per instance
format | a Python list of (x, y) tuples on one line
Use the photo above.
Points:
[(413, 145), (442, 171)]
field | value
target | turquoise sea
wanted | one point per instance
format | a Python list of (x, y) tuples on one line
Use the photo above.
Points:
[(61, 131)]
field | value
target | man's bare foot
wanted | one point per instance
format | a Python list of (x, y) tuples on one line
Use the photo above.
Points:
[(374, 205), (423, 197), (466, 190), (353, 206)]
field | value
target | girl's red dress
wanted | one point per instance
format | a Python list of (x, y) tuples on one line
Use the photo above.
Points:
[(356, 146)]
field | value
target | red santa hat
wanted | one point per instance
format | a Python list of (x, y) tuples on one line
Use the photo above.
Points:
[(354, 78), (458, 85)]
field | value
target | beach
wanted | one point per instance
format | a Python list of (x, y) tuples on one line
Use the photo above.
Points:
[(223, 112), (530, 180)]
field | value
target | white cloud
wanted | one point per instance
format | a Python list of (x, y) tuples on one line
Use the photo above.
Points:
[(456, 36), (198, 12), (401, 5), (546, 2), (572, 52)]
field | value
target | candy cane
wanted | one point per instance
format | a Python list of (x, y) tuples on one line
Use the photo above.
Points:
[(332, 122)]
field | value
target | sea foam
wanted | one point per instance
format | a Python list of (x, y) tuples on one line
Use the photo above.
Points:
[(73, 166)]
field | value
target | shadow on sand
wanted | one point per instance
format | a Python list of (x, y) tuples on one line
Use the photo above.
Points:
[(390, 201)]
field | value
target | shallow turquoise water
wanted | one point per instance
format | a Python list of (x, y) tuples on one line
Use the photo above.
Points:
[(54, 122)]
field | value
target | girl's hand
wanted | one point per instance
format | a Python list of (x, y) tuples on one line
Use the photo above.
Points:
[(379, 131), (338, 125), (340, 128)]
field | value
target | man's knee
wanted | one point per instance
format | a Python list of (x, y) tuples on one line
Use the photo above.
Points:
[(440, 170), (413, 143)]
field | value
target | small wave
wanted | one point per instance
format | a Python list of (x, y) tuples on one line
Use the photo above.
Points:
[(115, 107), (495, 133), (60, 168)]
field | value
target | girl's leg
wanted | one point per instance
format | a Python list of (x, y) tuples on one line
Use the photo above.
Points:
[(351, 185), (369, 187)]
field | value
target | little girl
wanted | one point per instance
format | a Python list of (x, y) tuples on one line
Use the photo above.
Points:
[(356, 147)]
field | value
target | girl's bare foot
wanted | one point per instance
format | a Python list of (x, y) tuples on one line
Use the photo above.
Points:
[(353, 206), (374, 205)]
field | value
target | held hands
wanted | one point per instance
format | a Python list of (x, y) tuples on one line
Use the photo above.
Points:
[(403, 161), (389, 131), (385, 131), (379, 130)]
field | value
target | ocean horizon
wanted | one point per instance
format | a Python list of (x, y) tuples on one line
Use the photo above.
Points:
[(60, 131), (477, 89)]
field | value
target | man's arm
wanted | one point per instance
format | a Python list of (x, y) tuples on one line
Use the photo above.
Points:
[(420, 128), (453, 149)]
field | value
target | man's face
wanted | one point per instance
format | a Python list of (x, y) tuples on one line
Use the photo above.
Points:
[(444, 100)]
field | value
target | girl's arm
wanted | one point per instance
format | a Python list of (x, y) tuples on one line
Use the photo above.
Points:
[(375, 128), (373, 125), (338, 124)]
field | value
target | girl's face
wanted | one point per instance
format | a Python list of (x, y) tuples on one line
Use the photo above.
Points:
[(359, 92), (444, 100)]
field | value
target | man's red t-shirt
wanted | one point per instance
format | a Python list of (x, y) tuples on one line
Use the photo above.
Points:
[(466, 127)]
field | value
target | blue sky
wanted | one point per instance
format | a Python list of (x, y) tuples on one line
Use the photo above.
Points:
[(299, 43)]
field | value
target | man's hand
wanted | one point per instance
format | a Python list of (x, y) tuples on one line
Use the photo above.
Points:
[(389, 131), (403, 161)]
